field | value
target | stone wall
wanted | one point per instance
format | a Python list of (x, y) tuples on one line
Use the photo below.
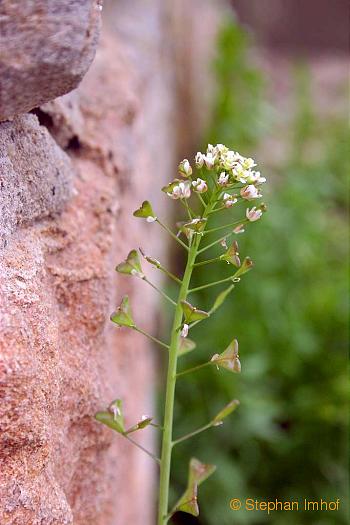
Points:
[(72, 169)]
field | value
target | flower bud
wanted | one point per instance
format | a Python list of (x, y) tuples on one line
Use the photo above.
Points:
[(199, 159), (185, 168), (200, 186), (223, 179), (209, 160), (239, 229), (229, 200), (253, 214), (184, 331), (250, 192)]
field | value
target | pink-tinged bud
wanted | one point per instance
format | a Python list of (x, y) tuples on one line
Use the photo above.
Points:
[(181, 191), (223, 179), (229, 200), (250, 192), (185, 168), (239, 229), (209, 160), (184, 331), (200, 186), (253, 214), (199, 159)]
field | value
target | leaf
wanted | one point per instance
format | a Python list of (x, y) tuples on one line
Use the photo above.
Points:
[(186, 345), (123, 315), (229, 359), (198, 472), (226, 411), (114, 417), (192, 313), (145, 211), (221, 298), (231, 256), (132, 265)]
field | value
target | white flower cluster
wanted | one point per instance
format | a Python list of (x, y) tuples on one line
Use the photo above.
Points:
[(231, 166), (231, 169)]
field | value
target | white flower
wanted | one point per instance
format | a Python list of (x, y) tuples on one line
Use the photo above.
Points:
[(254, 214), (255, 178), (229, 159), (250, 192), (223, 178), (144, 417), (200, 186), (184, 331), (181, 191), (248, 163), (229, 200), (209, 160), (221, 149), (150, 218), (199, 159), (240, 174), (211, 149), (185, 168)]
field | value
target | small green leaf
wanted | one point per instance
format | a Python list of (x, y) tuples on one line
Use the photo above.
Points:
[(229, 359), (145, 212), (192, 313), (226, 411), (198, 472), (221, 298), (231, 256), (123, 315), (114, 417), (246, 266), (186, 345), (132, 265)]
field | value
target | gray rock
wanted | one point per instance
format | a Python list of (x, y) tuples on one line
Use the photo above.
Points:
[(35, 174), (46, 49)]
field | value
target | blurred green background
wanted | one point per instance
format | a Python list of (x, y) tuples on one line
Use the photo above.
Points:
[(288, 439)]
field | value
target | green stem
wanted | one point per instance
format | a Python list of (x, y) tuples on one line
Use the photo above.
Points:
[(167, 442), (151, 337), (159, 291), (210, 284), (194, 369), (236, 223), (172, 234), (209, 261), (143, 449), (224, 237), (193, 433)]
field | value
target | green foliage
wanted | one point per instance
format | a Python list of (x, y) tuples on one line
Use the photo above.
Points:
[(288, 440)]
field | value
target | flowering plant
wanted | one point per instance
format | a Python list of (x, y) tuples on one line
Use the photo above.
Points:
[(223, 178)]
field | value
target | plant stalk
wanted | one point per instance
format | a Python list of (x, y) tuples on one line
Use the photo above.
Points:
[(167, 442)]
